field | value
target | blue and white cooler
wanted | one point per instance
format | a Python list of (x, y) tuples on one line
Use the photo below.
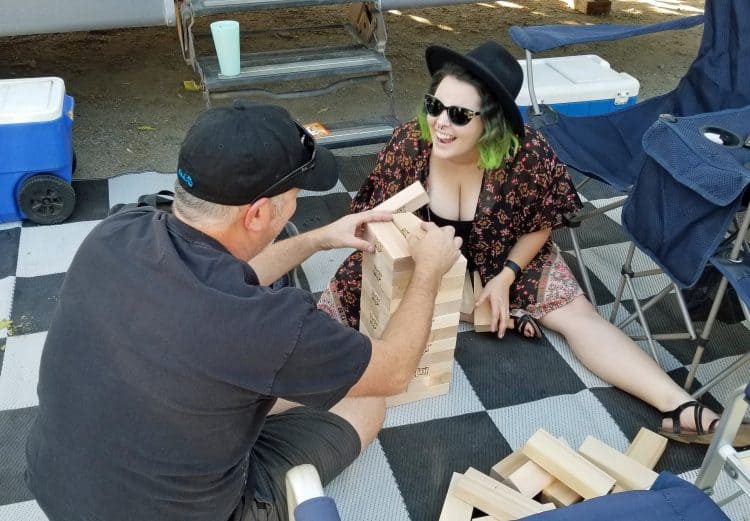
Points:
[(36, 150), (583, 85)]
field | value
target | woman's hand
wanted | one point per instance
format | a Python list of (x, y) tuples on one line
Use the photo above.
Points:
[(497, 291)]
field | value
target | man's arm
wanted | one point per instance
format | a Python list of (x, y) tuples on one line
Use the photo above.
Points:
[(396, 354), (280, 257)]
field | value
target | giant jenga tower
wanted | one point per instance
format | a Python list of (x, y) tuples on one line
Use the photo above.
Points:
[(385, 276)]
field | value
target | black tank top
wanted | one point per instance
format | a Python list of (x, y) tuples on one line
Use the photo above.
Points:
[(463, 230)]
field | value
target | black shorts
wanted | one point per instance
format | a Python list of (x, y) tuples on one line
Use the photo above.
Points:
[(294, 437)]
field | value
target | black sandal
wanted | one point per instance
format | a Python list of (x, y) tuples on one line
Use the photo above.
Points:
[(523, 319), (700, 435)]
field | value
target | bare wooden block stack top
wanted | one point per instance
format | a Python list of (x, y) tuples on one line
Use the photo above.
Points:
[(385, 277)]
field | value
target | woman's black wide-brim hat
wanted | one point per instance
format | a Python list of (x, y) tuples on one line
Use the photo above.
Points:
[(492, 65)]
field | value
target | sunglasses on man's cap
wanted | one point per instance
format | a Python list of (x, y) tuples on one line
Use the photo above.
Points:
[(459, 116), (287, 181)]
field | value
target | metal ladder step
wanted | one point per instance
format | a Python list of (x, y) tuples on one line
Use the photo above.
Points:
[(292, 65), (211, 7), (351, 134)]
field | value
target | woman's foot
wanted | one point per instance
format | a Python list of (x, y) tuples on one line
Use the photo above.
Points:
[(689, 419), (524, 324)]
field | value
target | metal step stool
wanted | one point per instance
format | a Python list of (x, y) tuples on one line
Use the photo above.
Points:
[(302, 71)]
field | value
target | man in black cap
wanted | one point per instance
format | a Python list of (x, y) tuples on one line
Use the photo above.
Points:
[(175, 385)]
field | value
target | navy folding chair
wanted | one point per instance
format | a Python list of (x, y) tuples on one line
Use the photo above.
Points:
[(609, 147), (685, 203)]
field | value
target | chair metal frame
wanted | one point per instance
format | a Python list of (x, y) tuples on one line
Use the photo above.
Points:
[(721, 456)]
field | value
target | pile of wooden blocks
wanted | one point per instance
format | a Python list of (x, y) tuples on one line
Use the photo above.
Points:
[(385, 276), (546, 473)]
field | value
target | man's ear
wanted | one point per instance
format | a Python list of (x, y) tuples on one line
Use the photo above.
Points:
[(255, 216)]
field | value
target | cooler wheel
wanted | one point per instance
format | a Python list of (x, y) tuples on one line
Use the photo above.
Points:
[(46, 199)]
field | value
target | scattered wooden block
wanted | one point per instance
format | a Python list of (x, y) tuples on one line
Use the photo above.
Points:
[(530, 479), (455, 509), (483, 313), (629, 474), (409, 199), (559, 494), (494, 498), (647, 447), (501, 470), (556, 492), (593, 7), (566, 465)]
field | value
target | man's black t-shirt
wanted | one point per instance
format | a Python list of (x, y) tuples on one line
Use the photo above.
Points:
[(163, 357)]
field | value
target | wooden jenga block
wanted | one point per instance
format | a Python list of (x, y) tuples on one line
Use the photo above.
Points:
[(483, 313), (530, 479), (436, 357), (629, 474), (494, 498), (408, 224), (467, 299), (432, 371), (409, 199), (390, 244), (647, 447), (437, 346), (417, 393), (443, 321), (453, 508), (566, 465), (559, 494), (555, 492), (442, 333), (508, 465)]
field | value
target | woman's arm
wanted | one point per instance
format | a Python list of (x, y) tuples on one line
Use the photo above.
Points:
[(497, 290)]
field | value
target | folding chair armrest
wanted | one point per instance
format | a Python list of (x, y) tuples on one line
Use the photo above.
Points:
[(306, 500), (545, 37)]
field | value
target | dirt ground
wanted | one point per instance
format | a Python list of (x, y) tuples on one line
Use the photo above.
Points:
[(132, 109)]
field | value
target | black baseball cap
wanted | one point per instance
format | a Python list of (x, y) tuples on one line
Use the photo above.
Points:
[(236, 155)]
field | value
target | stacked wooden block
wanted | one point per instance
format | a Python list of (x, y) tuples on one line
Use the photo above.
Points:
[(385, 277), (546, 473)]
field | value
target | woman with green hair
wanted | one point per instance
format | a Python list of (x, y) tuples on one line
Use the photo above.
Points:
[(502, 188)]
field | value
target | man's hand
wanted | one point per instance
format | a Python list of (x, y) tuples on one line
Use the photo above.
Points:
[(348, 232), (436, 250), (497, 291)]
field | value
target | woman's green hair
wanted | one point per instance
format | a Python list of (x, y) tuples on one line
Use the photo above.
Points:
[(498, 142)]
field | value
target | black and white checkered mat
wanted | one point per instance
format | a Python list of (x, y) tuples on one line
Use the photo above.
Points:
[(501, 392)]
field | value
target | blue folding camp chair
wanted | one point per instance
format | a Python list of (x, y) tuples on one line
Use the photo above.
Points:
[(609, 147), (685, 201)]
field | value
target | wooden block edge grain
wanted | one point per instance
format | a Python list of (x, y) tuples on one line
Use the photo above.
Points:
[(569, 467), (629, 474), (409, 199), (455, 509), (494, 498)]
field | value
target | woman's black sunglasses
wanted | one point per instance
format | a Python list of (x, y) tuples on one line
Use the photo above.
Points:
[(458, 115), (285, 183)]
